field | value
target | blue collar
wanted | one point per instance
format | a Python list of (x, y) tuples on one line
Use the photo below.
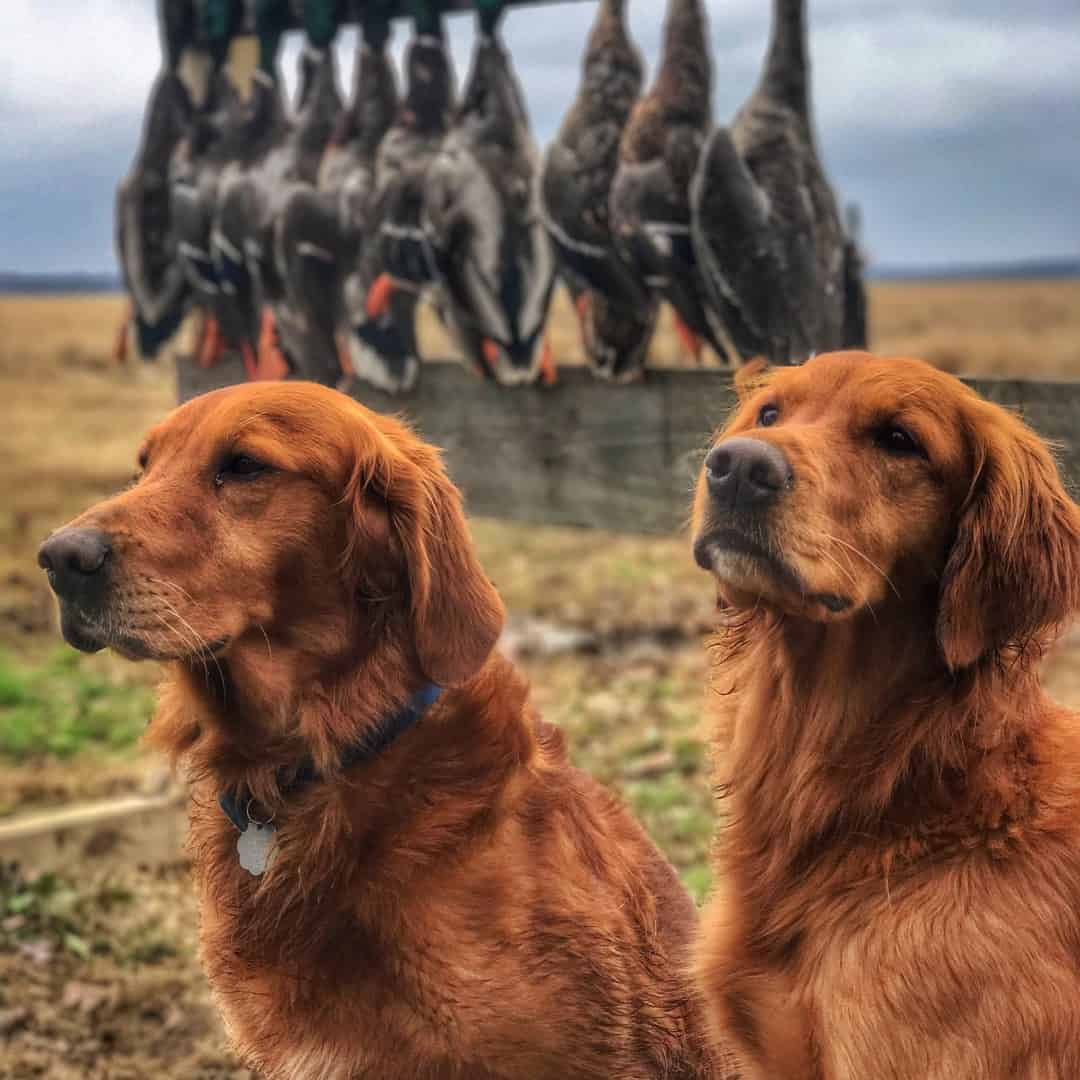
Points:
[(235, 806)]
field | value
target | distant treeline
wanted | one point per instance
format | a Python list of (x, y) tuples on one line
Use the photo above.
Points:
[(1026, 268), (59, 283), (1021, 268)]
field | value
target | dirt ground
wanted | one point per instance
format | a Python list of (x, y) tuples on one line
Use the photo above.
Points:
[(98, 976)]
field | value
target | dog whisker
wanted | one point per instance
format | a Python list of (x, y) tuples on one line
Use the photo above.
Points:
[(866, 558)]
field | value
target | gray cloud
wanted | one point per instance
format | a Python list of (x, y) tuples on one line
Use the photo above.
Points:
[(955, 126)]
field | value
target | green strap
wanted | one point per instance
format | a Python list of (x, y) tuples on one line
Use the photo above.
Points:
[(375, 16), (179, 27), (271, 21), (488, 12), (427, 17), (321, 18), (219, 22)]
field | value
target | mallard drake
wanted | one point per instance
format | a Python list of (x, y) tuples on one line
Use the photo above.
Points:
[(253, 197), (481, 212), (220, 133), (616, 310), (650, 194), (766, 227), (224, 134), (322, 231), (398, 264)]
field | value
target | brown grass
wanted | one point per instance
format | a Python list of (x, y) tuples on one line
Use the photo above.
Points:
[(1027, 329)]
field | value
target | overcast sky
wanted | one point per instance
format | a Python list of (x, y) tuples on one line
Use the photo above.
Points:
[(955, 125)]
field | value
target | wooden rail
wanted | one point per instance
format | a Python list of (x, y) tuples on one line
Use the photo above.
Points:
[(587, 453)]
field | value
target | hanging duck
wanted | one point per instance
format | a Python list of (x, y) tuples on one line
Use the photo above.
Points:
[(146, 241), (650, 200), (766, 227), (253, 197), (397, 264), (617, 312), (226, 134), (481, 212), (322, 232)]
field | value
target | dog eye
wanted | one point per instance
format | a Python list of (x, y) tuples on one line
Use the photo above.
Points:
[(899, 441), (768, 416), (239, 467)]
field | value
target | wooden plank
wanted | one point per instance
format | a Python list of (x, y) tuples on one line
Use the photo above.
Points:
[(139, 830), (623, 458)]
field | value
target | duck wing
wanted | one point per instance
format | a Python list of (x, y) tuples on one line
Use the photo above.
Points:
[(651, 222), (146, 240), (742, 263)]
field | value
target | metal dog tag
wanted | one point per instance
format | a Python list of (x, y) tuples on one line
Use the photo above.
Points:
[(255, 846)]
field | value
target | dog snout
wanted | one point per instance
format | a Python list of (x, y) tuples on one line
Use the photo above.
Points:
[(76, 561), (746, 473)]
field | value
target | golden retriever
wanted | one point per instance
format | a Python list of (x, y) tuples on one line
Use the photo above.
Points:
[(899, 869), (428, 889)]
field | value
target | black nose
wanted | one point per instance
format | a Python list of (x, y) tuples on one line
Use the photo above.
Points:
[(75, 560), (746, 473)]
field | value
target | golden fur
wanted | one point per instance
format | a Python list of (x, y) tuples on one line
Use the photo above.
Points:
[(465, 905), (899, 863)]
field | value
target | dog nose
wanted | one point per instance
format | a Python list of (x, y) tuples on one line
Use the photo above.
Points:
[(75, 560), (746, 473)]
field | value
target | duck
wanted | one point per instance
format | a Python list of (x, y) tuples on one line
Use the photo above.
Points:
[(225, 135), (255, 193), (766, 224), (397, 264), (493, 260), (322, 231), (616, 311), (146, 241), (650, 194)]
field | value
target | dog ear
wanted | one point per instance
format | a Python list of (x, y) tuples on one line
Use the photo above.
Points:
[(1013, 574), (456, 613)]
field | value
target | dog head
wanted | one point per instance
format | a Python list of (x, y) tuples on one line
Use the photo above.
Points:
[(278, 515), (854, 482)]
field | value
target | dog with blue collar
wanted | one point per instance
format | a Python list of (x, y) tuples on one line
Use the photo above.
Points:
[(399, 872)]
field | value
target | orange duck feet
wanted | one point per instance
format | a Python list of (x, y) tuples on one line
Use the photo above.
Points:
[(211, 343), (271, 362), (120, 346), (691, 341), (548, 372), (378, 297)]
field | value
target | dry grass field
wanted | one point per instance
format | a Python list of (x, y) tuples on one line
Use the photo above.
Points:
[(98, 977)]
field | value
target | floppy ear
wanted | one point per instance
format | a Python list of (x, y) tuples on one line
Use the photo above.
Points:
[(1013, 574), (457, 615)]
